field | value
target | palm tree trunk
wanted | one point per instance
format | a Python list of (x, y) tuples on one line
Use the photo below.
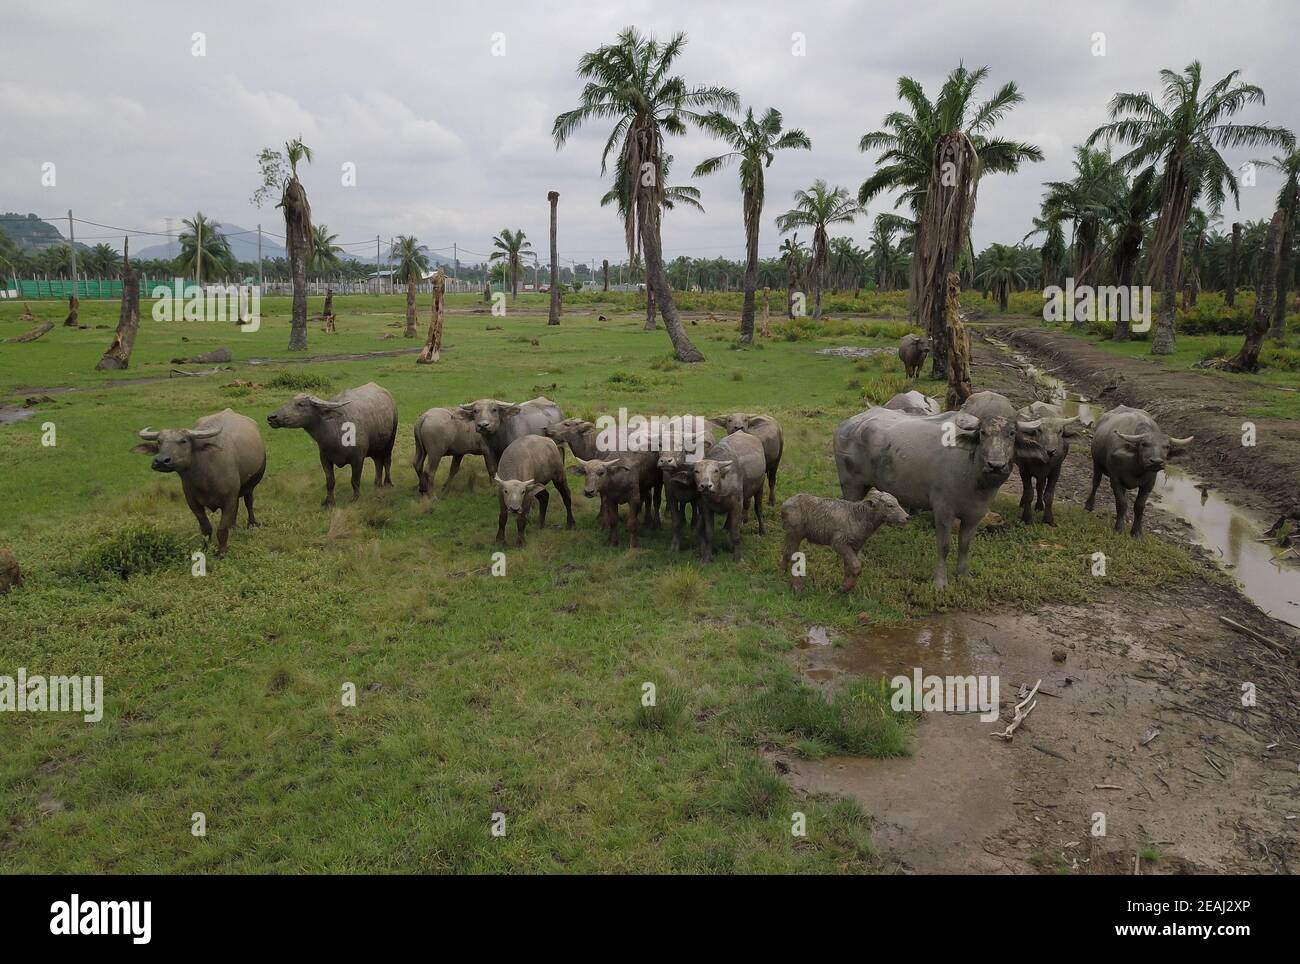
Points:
[(297, 231), (752, 216), (118, 355), (433, 342), (554, 318), (650, 323), (1162, 342), (1247, 360), (818, 270), (604, 267), (410, 309), (657, 278), (1234, 261), (1285, 264)]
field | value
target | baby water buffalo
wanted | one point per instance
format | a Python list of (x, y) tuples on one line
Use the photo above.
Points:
[(355, 425), (768, 431), (616, 481), (912, 350), (220, 461), (439, 432), (844, 526), (581, 437), (525, 468), (726, 479), (500, 423), (1043, 435), (679, 481), (952, 463), (1130, 450), (914, 403)]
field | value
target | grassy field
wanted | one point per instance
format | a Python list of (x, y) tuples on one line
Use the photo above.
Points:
[(477, 694)]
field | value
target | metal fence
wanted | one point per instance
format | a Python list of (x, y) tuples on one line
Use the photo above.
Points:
[(91, 288)]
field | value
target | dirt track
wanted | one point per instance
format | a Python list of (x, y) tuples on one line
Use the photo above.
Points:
[(1265, 477)]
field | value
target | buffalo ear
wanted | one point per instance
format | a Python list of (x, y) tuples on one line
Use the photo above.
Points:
[(509, 411), (463, 412), (536, 487), (719, 420), (577, 469), (758, 421), (1073, 427), (145, 448)]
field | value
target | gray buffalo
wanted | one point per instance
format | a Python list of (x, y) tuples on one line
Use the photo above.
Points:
[(528, 464), (438, 432), (500, 423), (355, 425), (1129, 448), (952, 463), (912, 351), (914, 403), (1043, 436), (582, 438), (768, 431), (726, 479), (220, 461)]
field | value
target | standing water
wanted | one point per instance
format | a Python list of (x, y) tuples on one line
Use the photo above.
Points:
[(1234, 536)]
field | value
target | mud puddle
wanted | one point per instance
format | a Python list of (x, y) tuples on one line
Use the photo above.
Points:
[(1233, 536), (8, 416)]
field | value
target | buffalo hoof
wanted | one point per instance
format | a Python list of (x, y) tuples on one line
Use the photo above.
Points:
[(327, 502)]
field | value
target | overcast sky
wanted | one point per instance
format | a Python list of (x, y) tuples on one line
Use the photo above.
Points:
[(452, 143)]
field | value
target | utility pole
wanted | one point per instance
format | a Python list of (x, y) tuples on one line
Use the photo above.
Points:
[(198, 252), (259, 256), (376, 264), (455, 261), (72, 248)]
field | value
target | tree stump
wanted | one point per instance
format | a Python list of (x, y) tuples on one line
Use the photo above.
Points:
[(118, 355), (959, 386), (432, 350), (74, 307)]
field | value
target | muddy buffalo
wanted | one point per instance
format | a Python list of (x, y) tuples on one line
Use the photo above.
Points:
[(952, 464), (220, 461), (1129, 448), (355, 425), (1043, 436)]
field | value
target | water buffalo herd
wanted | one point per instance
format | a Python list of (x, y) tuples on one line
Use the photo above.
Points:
[(904, 456)]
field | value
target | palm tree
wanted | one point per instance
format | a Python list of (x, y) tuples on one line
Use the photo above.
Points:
[(754, 144), (1003, 270), (204, 249), (630, 83), (1051, 254), (792, 253), (412, 264), (1184, 134), (818, 208), (102, 260), (1131, 211), (324, 252), (935, 155), (623, 194), (280, 173), (511, 245), (1288, 166), (1084, 201)]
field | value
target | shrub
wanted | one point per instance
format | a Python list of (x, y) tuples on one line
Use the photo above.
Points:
[(133, 550), (300, 382)]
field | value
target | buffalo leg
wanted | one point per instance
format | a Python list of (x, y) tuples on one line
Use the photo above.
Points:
[(942, 540), (229, 516), (563, 487), (1140, 504), (328, 466), (1026, 496), (201, 514), (543, 500), (758, 513), (248, 504), (1041, 484), (501, 523), (521, 523), (1048, 497), (357, 467), (1097, 473), (704, 531), (771, 486), (633, 520), (1121, 505), (455, 467), (733, 529), (852, 564), (968, 527), (792, 543)]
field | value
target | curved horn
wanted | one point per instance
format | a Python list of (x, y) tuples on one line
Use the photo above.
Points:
[(966, 422), (1032, 426), (1135, 439), (1180, 442), (322, 403), (201, 433), (148, 434)]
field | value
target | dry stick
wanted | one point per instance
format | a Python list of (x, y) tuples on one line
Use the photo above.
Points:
[(1020, 717), (1259, 637), (31, 335)]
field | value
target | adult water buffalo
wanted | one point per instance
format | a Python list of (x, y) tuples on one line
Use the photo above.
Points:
[(525, 469), (1129, 448), (952, 463), (500, 423), (220, 460), (726, 479), (768, 431), (582, 437), (1043, 435), (914, 403), (912, 351), (355, 425), (438, 432)]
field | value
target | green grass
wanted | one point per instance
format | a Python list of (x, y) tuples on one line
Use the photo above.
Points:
[(476, 694)]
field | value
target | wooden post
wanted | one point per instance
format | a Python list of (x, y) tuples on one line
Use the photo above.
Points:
[(433, 343), (764, 330)]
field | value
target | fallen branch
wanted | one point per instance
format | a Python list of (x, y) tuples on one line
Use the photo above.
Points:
[(32, 335), (1021, 714), (1258, 637)]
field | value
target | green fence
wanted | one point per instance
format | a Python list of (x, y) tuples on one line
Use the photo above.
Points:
[(34, 288)]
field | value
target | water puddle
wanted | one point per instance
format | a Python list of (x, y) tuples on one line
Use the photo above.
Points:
[(1232, 535), (10, 415)]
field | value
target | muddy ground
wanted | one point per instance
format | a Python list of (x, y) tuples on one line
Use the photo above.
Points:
[(1139, 715)]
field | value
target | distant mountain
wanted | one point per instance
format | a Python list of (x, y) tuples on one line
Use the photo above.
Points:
[(243, 245), (31, 234)]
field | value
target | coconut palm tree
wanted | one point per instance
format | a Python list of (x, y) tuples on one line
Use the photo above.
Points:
[(1131, 210), (793, 253), (1084, 201), (205, 252), (324, 252), (753, 144), (1184, 134), (934, 154), (1288, 202), (818, 208), (412, 259), (623, 194), (630, 82), (280, 174), (511, 246), (1004, 269), (1051, 254)]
